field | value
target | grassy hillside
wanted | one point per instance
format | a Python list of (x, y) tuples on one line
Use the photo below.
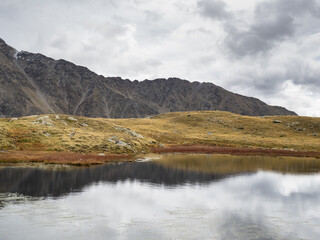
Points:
[(81, 134)]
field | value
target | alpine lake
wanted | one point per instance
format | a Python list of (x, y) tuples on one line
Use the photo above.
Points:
[(167, 196)]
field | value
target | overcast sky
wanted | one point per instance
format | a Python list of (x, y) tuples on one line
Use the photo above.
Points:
[(269, 49)]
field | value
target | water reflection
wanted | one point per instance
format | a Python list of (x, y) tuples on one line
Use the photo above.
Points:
[(48, 182), (228, 164), (153, 202)]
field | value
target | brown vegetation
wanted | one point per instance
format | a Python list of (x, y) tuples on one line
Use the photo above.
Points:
[(196, 132), (61, 158)]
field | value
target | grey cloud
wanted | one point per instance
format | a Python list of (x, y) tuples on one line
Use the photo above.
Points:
[(260, 37), (269, 84), (261, 81), (274, 21), (199, 30), (302, 73), (270, 81), (58, 42), (152, 16), (244, 43), (274, 28), (214, 9), (298, 7), (269, 44)]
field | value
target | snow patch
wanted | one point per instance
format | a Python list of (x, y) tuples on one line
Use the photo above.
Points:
[(15, 55)]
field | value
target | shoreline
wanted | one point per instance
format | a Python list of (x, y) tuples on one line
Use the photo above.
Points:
[(234, 151), (66, 158), (89, 159)]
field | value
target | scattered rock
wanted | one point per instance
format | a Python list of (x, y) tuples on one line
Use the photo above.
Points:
[(45, 120), (209, 133), (188, 115), (46, 134), (72, 135), (288, 149), (13, 119), (128, 131), (121, 143), (293, 124), (84, 125), (117, 144), (134, 134), (49, 124), (315, 134), (113, 139), (300, 129), (64, 122), (277, 121), (72, 119), (101, 154), (57, 117)]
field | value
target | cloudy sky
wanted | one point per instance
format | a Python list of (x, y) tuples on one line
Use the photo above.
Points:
[(269, 49)]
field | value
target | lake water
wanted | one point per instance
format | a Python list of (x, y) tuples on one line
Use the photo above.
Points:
[(173, 197)]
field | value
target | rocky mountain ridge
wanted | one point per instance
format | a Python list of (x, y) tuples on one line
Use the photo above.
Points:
[(35, 84)]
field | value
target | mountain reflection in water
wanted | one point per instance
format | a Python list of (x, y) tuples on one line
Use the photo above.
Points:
[(47, 182), (170, 169), (174, 197)]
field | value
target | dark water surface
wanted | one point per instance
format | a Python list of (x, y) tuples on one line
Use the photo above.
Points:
[(174, 197)]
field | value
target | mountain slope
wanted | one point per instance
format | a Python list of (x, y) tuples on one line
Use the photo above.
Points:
[(35, 84)]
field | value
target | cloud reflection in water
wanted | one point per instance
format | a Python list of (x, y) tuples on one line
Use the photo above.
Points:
[(264, 205)]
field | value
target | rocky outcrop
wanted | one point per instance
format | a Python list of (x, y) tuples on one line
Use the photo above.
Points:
[(35, 84)]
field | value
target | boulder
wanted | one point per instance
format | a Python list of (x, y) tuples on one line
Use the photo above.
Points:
[(277, 121), (128, 131), (13, 119), (72, 119), (45, 120)]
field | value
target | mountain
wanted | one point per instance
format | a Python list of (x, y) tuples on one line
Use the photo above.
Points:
[(35, 84)]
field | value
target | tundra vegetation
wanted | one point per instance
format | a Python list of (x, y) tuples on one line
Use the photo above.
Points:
[(112, 137)]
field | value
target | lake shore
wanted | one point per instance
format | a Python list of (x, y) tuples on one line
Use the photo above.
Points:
[(86, 159), (235, 151), (66, 158)]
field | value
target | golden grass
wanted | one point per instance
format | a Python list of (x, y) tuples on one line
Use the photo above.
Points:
[(211, 128), (228, 129)]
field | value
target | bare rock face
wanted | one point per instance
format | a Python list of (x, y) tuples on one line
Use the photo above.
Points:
[(35, 84), (17, 94)]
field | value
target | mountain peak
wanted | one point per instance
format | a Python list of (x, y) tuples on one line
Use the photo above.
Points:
[(36, 84), (7, 50)]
